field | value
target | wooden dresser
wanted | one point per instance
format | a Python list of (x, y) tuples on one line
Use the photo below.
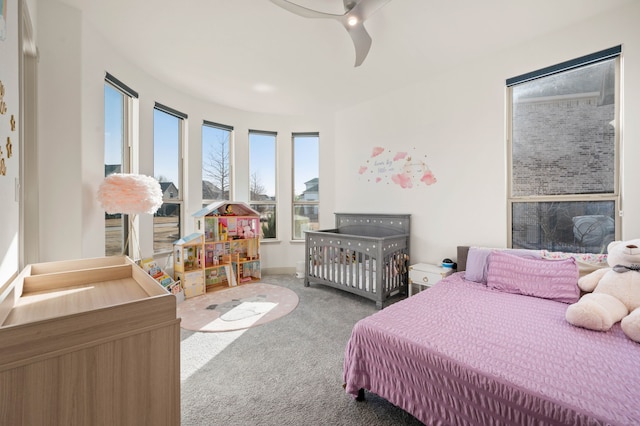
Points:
[(88, 342)]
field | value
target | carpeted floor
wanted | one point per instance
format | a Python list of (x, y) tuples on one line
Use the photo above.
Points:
[(285, 372)]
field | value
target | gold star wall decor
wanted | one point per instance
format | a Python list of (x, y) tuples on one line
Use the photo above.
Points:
[(12, 127), (3, 105)]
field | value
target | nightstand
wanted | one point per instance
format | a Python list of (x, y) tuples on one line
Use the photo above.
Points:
[(426, 275)]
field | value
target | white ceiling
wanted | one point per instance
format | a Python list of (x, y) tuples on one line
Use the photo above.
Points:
[(255, 56)]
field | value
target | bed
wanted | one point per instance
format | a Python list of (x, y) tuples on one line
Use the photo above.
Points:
[(464, 353), (365, 254)]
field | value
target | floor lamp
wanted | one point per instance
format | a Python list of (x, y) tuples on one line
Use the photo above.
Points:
[(130, 194)]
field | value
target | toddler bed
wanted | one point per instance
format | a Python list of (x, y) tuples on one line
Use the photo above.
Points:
[(366, 254), (463, 352)]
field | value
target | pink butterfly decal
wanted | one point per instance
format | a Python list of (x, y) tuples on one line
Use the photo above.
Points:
[(377, 151), (378, 179), (428, 178), (402, 179), (362, 169), (399, 156)]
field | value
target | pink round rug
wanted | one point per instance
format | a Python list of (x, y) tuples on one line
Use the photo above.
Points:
[(236, 308)]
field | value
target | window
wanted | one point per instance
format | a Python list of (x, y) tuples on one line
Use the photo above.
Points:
[(305, 183), (262, 179), (168, 125), (563, 155), (118, 100), (216, 167)]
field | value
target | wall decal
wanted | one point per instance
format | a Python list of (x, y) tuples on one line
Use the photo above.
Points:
[(12, 123), (405, 169), (3, 105)]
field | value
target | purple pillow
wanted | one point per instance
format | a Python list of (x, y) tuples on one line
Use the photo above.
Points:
[(478, 261), (548, 279)]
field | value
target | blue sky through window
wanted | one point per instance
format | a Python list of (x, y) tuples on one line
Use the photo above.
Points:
[(113, 124), (166, 147)]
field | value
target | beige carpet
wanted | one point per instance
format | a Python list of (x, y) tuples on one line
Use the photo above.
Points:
[(236, 308)]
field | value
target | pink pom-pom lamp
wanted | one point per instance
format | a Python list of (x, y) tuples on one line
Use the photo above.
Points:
[(130, 194)]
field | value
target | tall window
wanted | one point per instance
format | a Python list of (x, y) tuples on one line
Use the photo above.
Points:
[(118, 100), (168, 125), (262, 179), (305, 183), (216, 167), (564, 186)]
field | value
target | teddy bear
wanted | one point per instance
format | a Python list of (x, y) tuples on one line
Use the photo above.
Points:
[(613, 293), (247, 232)]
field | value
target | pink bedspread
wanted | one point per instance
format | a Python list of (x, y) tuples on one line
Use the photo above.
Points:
[(460, 353)]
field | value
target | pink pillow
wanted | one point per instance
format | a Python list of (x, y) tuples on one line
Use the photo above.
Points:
[(479, 257), (548, 279)]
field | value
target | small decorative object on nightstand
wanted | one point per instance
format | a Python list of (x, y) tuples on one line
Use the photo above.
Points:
[(426, 275)]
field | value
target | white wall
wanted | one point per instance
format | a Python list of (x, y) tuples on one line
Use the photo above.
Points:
[(458, 119), (73, 61), (9, 206)]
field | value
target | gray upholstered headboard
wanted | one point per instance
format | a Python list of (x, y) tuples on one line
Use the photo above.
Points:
[(463, 251)]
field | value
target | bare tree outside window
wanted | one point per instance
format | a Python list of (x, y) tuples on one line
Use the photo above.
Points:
[(216, 169), (257, 188), (262, 179)]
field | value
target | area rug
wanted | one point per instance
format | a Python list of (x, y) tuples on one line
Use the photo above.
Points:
[(236, 308)]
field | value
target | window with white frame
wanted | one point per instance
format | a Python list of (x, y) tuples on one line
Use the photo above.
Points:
[(306, 183), (118, 100), (216, 162), (564, 155), (168, 125), (262, 179)]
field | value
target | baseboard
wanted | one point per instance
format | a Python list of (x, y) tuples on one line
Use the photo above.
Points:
[(278, 271)]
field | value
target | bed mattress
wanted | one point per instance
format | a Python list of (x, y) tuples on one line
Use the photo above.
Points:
[(461, 353)]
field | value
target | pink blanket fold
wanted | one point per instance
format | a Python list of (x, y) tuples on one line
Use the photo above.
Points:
[(461, 353)]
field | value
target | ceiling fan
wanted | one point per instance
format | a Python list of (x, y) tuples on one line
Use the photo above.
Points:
[(356, 13)]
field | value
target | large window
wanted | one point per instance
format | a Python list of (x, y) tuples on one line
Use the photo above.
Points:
[(262, 179), (563, 145), (118, 100), (168, 125), (306, 183), (216, 164)]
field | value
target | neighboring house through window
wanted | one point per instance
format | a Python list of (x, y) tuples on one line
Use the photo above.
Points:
[(564, 189), (306, 183), (168, 128)]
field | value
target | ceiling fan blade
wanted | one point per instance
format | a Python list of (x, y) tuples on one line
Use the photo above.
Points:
[(365, 8), (361, 41), (358, 9), (304, 11)]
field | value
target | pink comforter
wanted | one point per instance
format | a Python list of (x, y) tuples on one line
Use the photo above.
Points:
[(460, 353)]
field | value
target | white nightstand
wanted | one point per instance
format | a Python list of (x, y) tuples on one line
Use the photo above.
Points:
[(426, 275)]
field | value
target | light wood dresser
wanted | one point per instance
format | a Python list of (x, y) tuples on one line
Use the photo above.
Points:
[(88, 342)]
